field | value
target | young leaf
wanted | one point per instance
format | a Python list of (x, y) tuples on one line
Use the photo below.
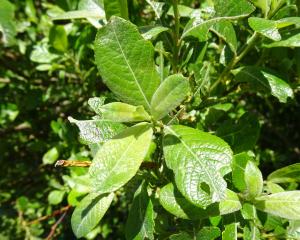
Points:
[(125, 61), (239, 164), (116, 8), (151, 32), (119, 159), (198, 160), (96, 131), (95, 103), (230, 232), (123, 112), (172, 91), (266, 27), (282, 204), (261, 80), (242, 135), (253, 180), (140, 222), (286, 174), (89, 212), (58, 38), (172, 200)]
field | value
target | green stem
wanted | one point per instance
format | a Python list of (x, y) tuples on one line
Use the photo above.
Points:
[(250, 44), (176, 35)]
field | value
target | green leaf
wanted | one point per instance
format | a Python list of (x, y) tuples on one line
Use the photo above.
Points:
[(293, 41), (264, 5), (7, 23), (225, 10), (125, 61), (55, 197), (97, 131), (241, 135), (140, 222), (95, 103), (283, 204), (92, 10), (181, 236), (151, 32), (261, 80), (286, 174), (89, 212), (230, 232), (51, 156), (123, 112), (253, 181), (233, 8), (238, 170), (116, 8), (58, 38), (173, 201), (172, 91), (225, 30), (208, 233), (251, 234), (266, 27), (285, 22), (119, 159), (198, 160)]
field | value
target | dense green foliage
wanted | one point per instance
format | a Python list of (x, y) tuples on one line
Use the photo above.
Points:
[(171, 120)]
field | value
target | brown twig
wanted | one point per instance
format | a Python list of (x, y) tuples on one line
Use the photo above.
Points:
[(53, 228), (55, 213), (74, 163)]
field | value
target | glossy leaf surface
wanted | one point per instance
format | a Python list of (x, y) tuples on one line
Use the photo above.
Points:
[(283, 204), (119, 159), (198, 160), (286, 174)]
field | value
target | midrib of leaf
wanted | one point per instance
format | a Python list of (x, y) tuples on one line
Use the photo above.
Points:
[(133, 74), (166, 96), (195, 156)]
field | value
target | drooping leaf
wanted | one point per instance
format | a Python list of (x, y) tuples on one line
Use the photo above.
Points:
[(198, 160), (89, 212), (7, 24), (172, 91), (293, 41), (123, 112), (208, 233), (242, 135), (173, 201), (125, 61), (97, 131), (283, 204), (286, 174), (119, 159), (261, 80), (116, 8), (266, 27), (225, 30), (253, 181), (140, 222), (230, 232)]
